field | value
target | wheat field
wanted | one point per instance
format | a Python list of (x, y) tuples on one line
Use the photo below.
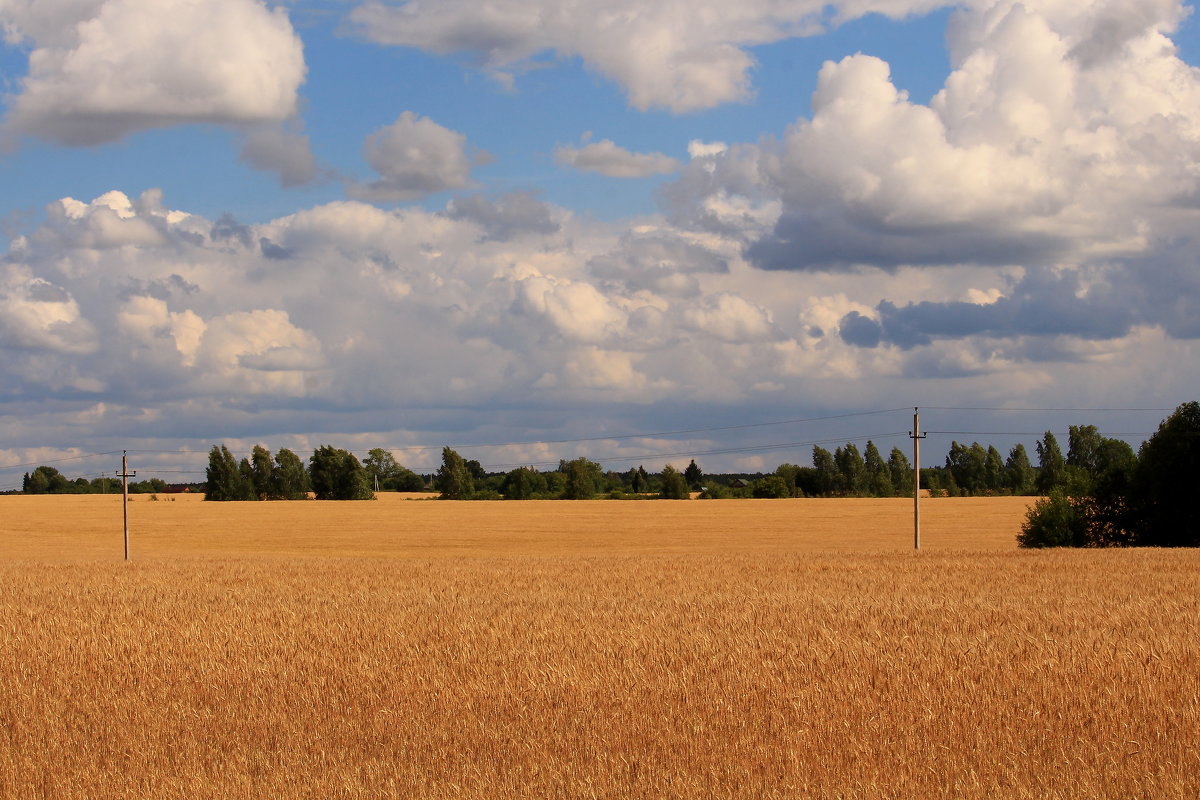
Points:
[(724, 649)]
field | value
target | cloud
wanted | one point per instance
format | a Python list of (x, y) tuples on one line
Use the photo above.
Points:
[(505, 217), (731, 318), (415, 157), (40, 316), (661, 261), (672, 55), (613, 161), (287, 153), (101, 70), (1057, 137), (1045, 303)]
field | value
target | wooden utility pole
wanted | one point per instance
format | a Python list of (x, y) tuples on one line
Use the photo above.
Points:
[(917, 436), (125, 476)]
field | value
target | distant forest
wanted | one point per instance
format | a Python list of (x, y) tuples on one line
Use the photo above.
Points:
[(1100, 493), (332, 473)]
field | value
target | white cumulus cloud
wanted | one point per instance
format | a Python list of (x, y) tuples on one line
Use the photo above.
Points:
[(677, 55), (101, 70)]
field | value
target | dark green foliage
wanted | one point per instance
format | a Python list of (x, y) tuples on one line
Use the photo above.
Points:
[(1129, 501), (639, 480), (1019, 473), (674, 484), (969, 466), (260, 471), (289, 478), (337, 475), (1054, 521), (46, 480), (715, 491), (522, 483), (581, 478), (772, 486), (453, 480), (478, 473), (852, 472), (901, 472), (693, 475), (385, 472), (151, 486), (826, 482), (1052, 467), (224, 479), (104, 486), (879, 475), (1162, 501), (791, 475)]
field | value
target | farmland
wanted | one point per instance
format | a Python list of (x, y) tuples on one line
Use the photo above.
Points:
[(594, 649)]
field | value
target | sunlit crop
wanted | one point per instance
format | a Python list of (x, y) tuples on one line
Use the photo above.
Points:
[(592, 654)]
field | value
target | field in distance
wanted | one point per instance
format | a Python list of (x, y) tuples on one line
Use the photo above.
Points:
[(504, 650), (399, 526)]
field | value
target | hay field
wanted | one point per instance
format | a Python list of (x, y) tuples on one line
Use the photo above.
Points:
[(718, 662), (400, 526)]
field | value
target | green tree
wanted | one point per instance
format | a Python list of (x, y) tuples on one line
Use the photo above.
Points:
[(224, 479), (995, 478), (1052, 467), (827, 476), (693, 475), (1019, 473), (969, 466), (261, 469), (47, 480), (879, 476), (453, 480), (674, 484), (104, 485), (519, 484), (1162, 503), (791, 476), (289, 479), (382, 469), (771, 486), (36, 482), (337, 474), (582, 477), (851, 470), (901, 471), (151, 486)]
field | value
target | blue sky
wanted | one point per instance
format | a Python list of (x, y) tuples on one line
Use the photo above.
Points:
[(386, 225)]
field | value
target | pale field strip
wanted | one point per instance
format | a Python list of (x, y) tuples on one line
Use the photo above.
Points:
[(723, 649), (401, 526)]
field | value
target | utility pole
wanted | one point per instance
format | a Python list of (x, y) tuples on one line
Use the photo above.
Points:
[(125, 476), (917, 436)]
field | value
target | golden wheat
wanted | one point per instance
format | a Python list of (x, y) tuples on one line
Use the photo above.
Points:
[(548, 670)]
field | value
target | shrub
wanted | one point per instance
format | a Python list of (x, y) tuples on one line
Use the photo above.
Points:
[(1054, 521)]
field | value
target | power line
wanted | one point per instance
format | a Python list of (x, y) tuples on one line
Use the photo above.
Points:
[(1037, 434), (58, 460), (651, 435), (721, 451), (1042, 410)]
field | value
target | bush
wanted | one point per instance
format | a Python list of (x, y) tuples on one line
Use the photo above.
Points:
[(772, 486), (1054, 521)]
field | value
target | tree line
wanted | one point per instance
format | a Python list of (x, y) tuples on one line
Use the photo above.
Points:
[(1088, 486), (48, 480), (1124, 499)]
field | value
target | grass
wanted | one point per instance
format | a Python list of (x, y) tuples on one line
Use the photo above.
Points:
[(589, 650)]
